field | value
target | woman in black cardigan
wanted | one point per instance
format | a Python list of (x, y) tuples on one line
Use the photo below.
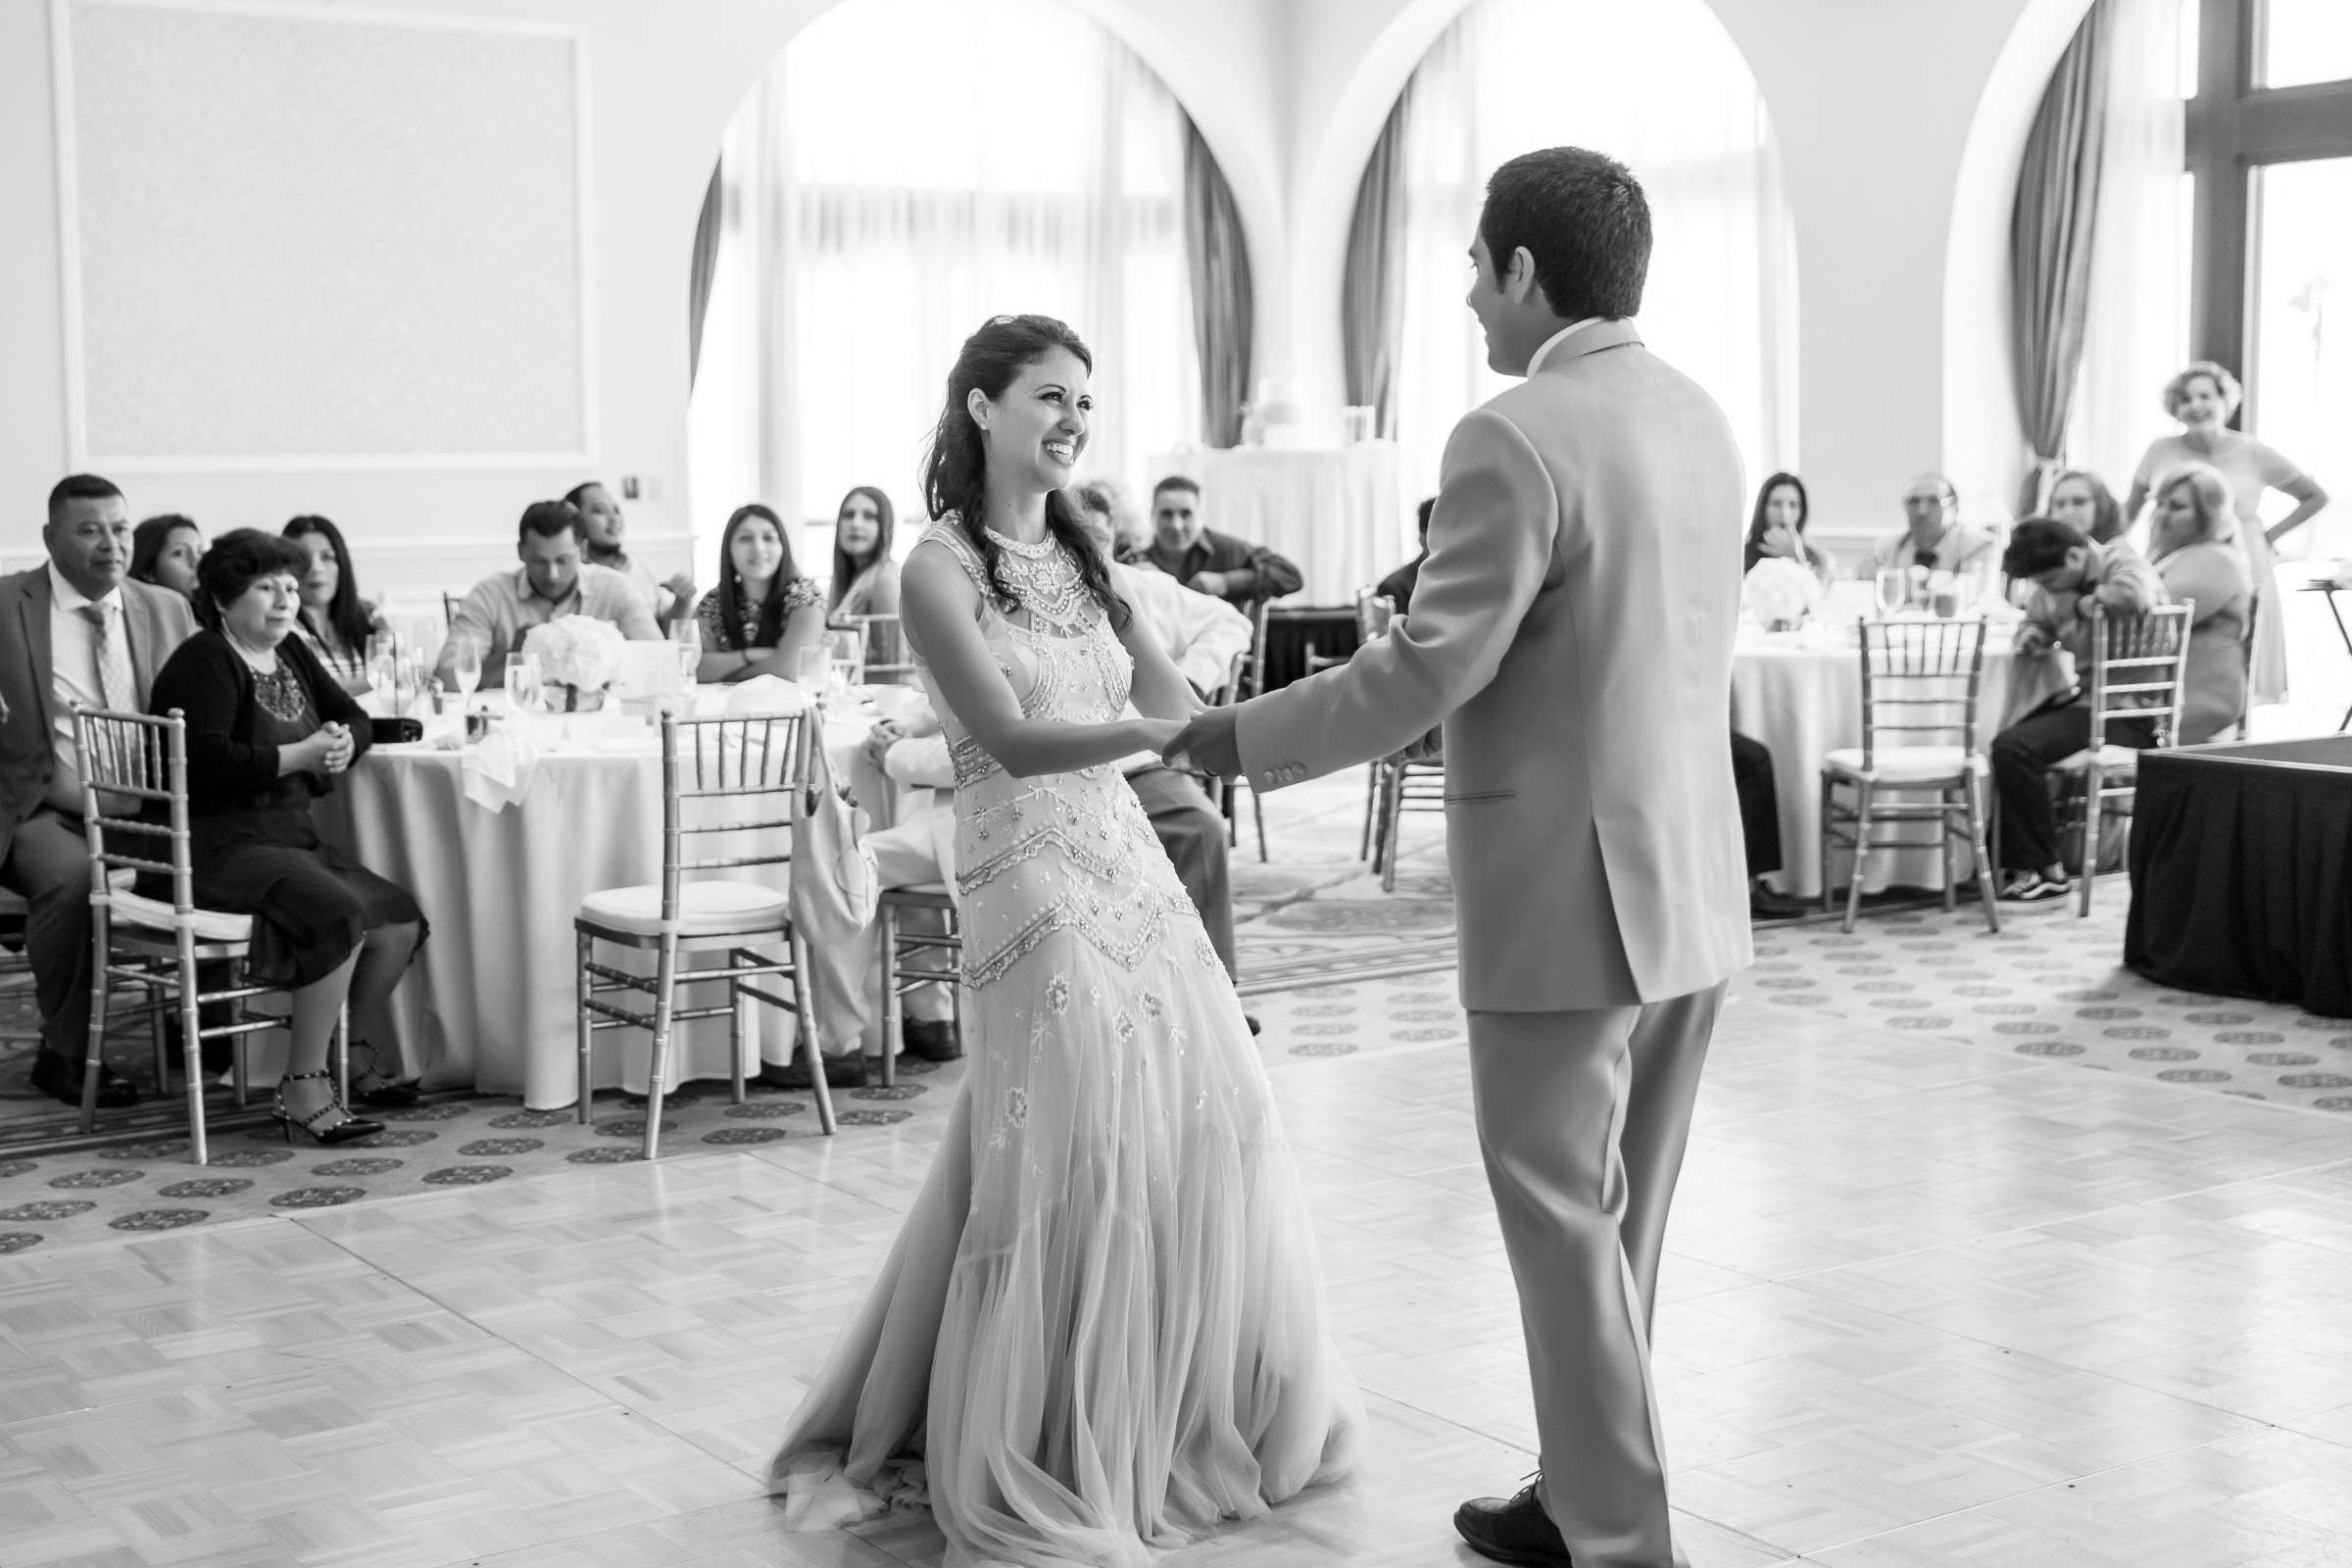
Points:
[(268, 729)]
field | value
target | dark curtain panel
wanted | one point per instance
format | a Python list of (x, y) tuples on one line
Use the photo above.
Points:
[(2049, 248), (705, 266), (1217, 254), (1372, 288)]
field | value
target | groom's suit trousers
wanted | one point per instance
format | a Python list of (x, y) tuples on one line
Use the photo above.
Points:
[(1583, 1117)]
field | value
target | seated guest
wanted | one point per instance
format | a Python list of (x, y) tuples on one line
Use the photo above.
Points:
[(865, 579), (763, 612), (552, 582), (1777, 530), (2192, 545), (267, 730), (2079, 500), (845, 979), (74, 630), (1933, 536), (1200, 634), (163, 551), (601, 530), (1187, 549), (335, 622), (2069, 573), (1760, 826), (1397, 586), (1130, 532)]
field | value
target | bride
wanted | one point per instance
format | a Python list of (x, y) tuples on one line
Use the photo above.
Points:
[(1101, 1327)]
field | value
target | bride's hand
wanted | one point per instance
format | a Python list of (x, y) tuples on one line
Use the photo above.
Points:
[(1159, 734)]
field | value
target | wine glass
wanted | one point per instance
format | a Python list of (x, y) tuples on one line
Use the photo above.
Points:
[(1893, 587), (845, 653), (522, 682), (465, 668)]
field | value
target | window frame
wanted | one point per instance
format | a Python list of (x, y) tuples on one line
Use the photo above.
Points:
[(2233, 127)]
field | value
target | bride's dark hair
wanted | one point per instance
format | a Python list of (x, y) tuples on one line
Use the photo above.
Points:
[(955, 468)]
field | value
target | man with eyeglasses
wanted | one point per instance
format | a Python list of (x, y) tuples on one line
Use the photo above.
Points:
[(1933, 536)]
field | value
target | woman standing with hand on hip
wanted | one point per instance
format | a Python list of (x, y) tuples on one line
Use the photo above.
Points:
[(2202, 398)]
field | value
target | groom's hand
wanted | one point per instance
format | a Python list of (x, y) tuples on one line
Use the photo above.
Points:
[(1208, 745)]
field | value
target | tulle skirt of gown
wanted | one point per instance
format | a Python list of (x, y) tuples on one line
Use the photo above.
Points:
[(1103, 1324)]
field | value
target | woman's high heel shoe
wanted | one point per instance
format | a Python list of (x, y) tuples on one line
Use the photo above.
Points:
[(339, 1127), (372, 1088)]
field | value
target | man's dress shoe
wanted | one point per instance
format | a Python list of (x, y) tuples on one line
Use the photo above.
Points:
[(53, 1074), (1513, 1529)]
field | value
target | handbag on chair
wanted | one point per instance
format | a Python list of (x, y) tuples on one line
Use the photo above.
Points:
[(834, 885)]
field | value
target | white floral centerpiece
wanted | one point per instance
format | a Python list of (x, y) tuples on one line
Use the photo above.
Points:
[(1780, 594), (580, 657)]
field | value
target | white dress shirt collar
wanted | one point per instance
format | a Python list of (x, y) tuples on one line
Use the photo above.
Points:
[(71, 598), (1536, 362)]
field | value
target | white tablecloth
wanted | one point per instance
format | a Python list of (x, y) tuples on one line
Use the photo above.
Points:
[(1803, 698), (1339, 512), (490, 1003)]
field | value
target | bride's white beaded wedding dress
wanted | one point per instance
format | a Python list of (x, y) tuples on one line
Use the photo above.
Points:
[(1102, 1325)]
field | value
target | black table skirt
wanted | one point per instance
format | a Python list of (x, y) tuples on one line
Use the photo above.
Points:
[(2241, 872), (1289, 631)]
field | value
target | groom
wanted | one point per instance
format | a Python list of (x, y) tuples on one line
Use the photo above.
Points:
[(1572, 629)]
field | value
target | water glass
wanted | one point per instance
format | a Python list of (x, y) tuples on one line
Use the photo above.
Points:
[(687, 633), (522, 682), (1893, 590)]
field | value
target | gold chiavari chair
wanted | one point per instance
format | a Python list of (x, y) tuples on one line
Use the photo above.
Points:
[(1374, 610), (714, 771), (128, 762), (1247, 680), (2139, 669), (1920, 683), (912, 959), (886, 662)]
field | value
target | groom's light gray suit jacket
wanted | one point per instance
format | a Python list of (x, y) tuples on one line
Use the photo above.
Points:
[(1573, 630)]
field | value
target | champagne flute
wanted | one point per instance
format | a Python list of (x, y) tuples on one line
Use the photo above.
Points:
[(465, 668)]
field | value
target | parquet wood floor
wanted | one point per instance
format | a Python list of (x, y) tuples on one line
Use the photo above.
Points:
[(1923, 1307)]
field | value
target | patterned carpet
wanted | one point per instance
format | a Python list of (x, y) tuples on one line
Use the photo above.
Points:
[(1331, 966)]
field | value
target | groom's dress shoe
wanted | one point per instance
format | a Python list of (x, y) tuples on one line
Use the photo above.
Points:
[(1513, 1529)]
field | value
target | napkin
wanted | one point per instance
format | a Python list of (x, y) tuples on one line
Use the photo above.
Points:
[(500, 771), (766, 694)]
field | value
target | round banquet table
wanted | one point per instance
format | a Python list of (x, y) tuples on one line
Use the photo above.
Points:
[(1801, 693), (490, 1003)]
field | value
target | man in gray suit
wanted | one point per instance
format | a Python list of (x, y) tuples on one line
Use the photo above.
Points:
[(77, 630), (1572, 629)]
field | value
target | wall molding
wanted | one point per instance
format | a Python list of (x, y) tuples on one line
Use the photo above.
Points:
[(81, 457)]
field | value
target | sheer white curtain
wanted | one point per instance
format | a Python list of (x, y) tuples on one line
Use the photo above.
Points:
[(1661, 88), (882, 201), (2135, 331)]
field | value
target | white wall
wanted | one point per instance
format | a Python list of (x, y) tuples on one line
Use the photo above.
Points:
[(1899, 195)]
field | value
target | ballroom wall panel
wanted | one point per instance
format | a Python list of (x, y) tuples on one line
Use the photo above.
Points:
[(285, 247)]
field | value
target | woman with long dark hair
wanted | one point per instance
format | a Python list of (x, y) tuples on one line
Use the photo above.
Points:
[(1777, 528), (1102, 1328), (335, 622), (163, 551), (865, 576), (763, 612)]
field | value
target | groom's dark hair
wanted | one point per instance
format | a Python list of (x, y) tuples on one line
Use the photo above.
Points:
[(1583, 216)]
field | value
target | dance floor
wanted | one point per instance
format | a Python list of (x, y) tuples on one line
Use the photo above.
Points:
[(1937, 1293)]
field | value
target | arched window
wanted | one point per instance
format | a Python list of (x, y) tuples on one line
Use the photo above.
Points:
[(1660, 88), (908, 168)]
